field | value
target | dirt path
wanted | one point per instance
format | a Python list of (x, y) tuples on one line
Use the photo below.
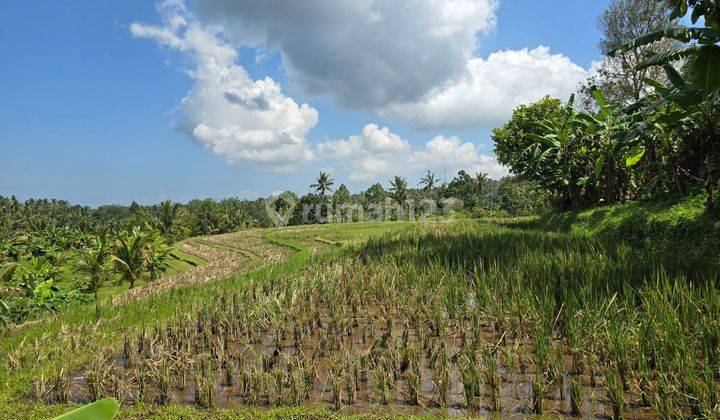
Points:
[(232, 253)]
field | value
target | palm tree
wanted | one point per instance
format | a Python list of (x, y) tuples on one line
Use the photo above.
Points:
[(129, 256), (399, 189), (428, 181), (481, 179), (92, 265), (168, 215), (323, 184), (158, 254)]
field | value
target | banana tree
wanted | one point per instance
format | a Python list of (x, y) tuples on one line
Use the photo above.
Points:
[(607, 127), (694, 103), (695, 90), (558, 158), (104, 409)]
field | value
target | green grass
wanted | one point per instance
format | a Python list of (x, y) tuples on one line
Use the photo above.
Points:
[(679, 228), (585, 283), (145, 411), (182, 261), (78, 324)]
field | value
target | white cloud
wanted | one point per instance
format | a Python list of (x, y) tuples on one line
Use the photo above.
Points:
[(379, 152), (365, 53), (413, 60), (491, 88), (226, 111)]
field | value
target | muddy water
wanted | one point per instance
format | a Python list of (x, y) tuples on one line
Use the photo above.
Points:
[(516, 388)]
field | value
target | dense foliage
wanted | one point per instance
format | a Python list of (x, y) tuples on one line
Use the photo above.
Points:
[(462, 196), (666, 143), (53, 253)]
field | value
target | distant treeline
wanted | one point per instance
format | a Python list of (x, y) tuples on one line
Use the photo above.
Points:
[(475, 196), (198, 217)]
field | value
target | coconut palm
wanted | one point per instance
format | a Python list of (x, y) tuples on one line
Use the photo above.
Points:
[(168, 216), (398, 188), (323, 184), (157, 256), (481, 179), (428, 181), (129, 257), (92, 264)]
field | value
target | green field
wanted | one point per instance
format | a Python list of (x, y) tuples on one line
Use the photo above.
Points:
[(440, 318)]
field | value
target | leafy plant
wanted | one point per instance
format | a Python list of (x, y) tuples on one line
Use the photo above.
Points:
[(129, 256)]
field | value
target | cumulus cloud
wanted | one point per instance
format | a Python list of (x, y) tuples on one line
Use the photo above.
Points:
[(379, 152), (365, 53), (491, 88), (226, 110), (411, 60)]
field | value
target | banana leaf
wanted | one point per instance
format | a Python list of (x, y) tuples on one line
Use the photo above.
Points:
[(104, 409), (702, 35)]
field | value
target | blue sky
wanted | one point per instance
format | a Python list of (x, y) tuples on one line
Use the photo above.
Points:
[(90, 110)]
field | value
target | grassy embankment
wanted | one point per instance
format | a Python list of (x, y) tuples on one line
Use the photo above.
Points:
[(611, 311)]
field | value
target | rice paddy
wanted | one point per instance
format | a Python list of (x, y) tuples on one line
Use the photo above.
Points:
[(464, 318)]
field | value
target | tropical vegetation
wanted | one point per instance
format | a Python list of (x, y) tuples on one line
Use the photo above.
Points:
[(586, 284)]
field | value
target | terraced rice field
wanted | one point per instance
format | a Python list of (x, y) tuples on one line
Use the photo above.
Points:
[(458, 318)]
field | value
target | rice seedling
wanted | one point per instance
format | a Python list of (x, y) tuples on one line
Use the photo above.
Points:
[(557, 372), (470, 377), (256, 385), (662, 401), (575, 398), (40, 389), (381, 384), (644, 383), (492, 382), (61, 387), (350, 387), (614, 391), (357, 374), (117, 386), (413, 387), (278, 376), (297, 387), (244, 384), (128, 352), (94, 376), (140, 381), (335, 388), (309, 375), (538, 393), (441, 380), (163, 382)]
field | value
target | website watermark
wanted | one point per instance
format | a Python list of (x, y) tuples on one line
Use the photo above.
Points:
[(285, 209)]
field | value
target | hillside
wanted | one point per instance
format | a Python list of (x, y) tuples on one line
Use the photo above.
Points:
[(568, 313)]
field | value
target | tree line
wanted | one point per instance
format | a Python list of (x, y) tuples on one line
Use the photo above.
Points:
[(464, 195)]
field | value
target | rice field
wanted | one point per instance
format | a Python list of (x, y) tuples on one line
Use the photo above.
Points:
[(463, 318)]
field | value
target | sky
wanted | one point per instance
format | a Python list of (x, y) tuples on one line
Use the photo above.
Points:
[(108, 101)]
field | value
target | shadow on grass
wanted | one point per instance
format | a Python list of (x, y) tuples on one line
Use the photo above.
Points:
[(512, 248)]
